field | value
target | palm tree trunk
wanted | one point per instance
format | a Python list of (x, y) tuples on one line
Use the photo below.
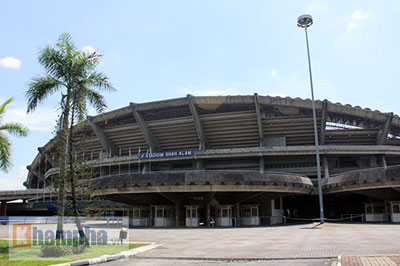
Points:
[(63, 167), (73, 179), (61, 192)]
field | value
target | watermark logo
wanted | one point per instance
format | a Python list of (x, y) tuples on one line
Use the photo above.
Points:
[(39, 234), (28, 235), (21, 235)]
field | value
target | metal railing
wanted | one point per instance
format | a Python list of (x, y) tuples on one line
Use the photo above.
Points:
[(352, 216), (28, 220), (364, 217), (200, 171), (108, 220), (367, 169)]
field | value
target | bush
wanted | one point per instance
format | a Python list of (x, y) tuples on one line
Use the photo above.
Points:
[(79, 249), (55, 251), (64, 247)]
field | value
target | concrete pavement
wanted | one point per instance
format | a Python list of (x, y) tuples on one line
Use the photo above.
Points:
[(308, 244)]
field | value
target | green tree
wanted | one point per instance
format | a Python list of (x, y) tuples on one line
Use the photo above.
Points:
[(15, 129), (73, 73)]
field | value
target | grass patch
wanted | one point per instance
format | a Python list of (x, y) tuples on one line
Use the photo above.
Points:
[(32, 256)]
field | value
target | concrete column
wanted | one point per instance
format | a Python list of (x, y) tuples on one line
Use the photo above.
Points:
[(208, 215), (102, 170), (326, 167), (199, 165), (145, 168), (207, 204), (262, 164), (151, 216), (237, 215), (383, 133), (383, 159), (197, 122), (147, 134), (177, 213), (3, 208)]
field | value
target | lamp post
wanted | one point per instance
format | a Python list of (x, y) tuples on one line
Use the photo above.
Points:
[(306, 21)]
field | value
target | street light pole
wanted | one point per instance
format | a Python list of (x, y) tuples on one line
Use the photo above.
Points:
[(306, 21)]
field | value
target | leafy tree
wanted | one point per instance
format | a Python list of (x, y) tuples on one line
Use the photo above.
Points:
[(15, 129), (72, 73)]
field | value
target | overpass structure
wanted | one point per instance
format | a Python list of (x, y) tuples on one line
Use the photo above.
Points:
[(229, 160)]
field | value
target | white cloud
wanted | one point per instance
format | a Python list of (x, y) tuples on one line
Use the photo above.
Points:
[(10, 62), (14, 179), (273, 73), (357, 16), (208, 92), (89, 49), (42, 119), (351, 26)]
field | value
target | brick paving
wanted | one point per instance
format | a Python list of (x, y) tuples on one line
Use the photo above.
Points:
[(370, 260), (295, 241), (307, 244)]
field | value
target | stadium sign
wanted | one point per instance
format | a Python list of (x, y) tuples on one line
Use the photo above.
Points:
[(166, 154)]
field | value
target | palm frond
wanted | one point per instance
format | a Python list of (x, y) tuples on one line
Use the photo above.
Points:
[(5, 153), (100, 81), (4, 105), (92, 60), (16, 129), (66, 44), (96, 100), (53, 61), (39, 89), (79, 103)]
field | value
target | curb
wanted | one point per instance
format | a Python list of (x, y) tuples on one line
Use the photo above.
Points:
[(107, 258), (339, 260)]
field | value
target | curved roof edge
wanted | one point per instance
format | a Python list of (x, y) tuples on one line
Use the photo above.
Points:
[(338, 108)]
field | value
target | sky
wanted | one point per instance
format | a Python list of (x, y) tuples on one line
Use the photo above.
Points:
[(158, 49)]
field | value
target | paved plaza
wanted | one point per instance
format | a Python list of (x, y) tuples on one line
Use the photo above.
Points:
[(307, 244)]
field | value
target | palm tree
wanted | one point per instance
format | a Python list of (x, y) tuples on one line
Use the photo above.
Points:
[(73, 73), (15, 129)]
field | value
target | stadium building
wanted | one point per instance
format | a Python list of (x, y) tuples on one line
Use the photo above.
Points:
[(235, 161)]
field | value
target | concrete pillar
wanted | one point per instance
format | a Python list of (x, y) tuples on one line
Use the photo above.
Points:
[(102, 170), (208, 215), (145, 168), (177, 213), (237, 215), (207, 205), (151, 216), (262, 164), (326, 167), (199, 165), (383, 159), (3, 208)]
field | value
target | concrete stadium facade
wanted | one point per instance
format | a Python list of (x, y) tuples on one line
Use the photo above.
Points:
[(236, 160)]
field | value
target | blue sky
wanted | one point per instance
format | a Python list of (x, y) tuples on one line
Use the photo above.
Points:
[(156, 50)]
